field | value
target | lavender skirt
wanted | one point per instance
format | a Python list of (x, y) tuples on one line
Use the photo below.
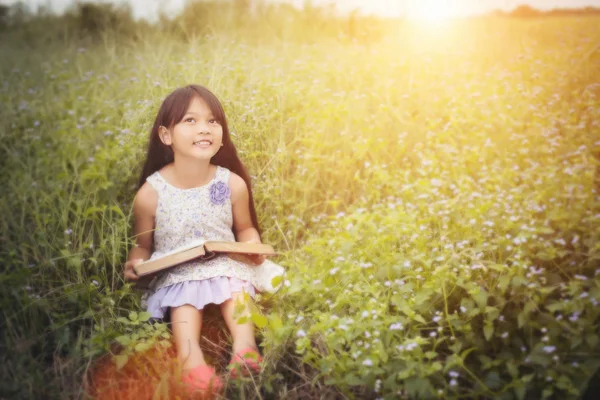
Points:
[(197, 293)]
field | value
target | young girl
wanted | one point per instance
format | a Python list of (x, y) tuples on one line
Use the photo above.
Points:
[(193, 186)]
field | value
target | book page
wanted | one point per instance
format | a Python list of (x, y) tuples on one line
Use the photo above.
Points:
[(191, 245)]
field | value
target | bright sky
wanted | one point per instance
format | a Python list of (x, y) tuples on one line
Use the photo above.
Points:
[(149, 8)]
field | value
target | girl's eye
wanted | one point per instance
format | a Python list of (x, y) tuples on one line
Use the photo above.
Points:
[(214, 121), (189, 119)]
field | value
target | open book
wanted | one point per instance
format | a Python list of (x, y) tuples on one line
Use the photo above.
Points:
[(200, 250)]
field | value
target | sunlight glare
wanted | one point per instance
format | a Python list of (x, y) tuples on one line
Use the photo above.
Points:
[(430, 10)]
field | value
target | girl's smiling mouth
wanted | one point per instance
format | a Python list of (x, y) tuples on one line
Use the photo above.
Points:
[(203, 142)]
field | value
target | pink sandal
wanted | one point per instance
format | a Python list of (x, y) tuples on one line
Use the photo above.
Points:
[(247, 360), (202, 379)]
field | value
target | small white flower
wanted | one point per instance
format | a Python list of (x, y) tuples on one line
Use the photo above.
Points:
[(301, 333), (68, 231), (396, 327), (95, 283), (574, 317), (453, 382), (368, 362), (333, 271), (463, 309), (436, 318), (504, 335), (433, 334), (453, 374), (299, 318), (549, 349)]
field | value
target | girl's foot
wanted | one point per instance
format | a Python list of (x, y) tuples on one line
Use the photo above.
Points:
[(202, 379), (247, 361)]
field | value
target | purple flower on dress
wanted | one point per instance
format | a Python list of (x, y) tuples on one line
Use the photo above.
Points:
[(219, 192)]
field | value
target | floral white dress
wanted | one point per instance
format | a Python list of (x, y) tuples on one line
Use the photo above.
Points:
[(183, 216)]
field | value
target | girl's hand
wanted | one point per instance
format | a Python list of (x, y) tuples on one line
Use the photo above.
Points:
[(252, 259), (129, 273)]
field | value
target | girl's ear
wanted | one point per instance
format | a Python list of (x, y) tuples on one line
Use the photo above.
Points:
[(164, 135)]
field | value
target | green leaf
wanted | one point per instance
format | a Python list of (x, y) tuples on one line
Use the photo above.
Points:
[(419, 318), (117, 210), (498, 267), (123, 340), (540, 359), (512, 368), (466, 352), (455, 347), (592, 340), (520, 391), (353, 380), (144, 316), (492, 312), (74, 262), (121, 360), (493, 380), (555, 306), (143, 346), (241, 320), (419, 388), (133, 316), (488, 330), (259, 320), (481, 298), (275, 322), (503, 283), (547, 392), (276, 281)]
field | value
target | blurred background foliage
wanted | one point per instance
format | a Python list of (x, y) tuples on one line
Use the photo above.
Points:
[(433, 190)]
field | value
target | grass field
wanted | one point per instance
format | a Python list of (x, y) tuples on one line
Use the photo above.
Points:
[(433, 190)]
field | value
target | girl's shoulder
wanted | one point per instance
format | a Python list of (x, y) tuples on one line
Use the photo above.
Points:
[(238, 187), (146, 199)]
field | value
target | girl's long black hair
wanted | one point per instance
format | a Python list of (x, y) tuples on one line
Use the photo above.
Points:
[(172, 112)]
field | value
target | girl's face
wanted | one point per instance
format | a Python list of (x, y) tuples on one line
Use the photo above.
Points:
[(198, 134)]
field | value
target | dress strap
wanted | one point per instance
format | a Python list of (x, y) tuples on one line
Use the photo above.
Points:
[(157, 182), (223, 174)]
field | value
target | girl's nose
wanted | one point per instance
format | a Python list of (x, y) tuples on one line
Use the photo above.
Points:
[(203, 128)]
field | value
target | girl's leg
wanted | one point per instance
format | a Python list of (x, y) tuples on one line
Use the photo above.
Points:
[(242, 334), (186, 323)]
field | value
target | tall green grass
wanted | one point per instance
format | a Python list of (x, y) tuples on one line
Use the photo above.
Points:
[(433, 189)]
